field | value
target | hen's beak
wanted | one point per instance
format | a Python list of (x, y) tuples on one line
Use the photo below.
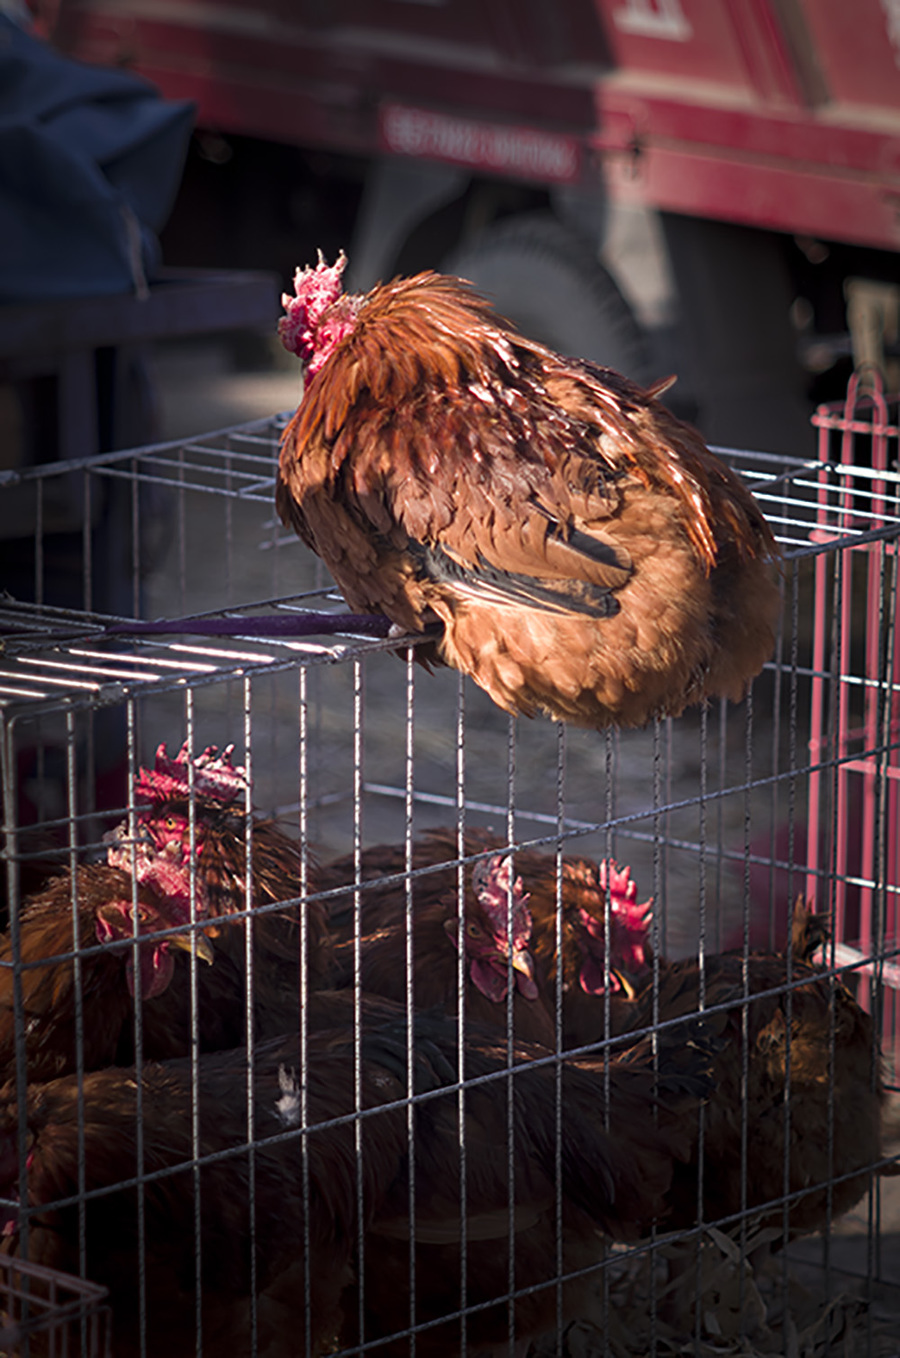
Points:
[(524, 962), (119, 837), (186, 941), (624, 982)]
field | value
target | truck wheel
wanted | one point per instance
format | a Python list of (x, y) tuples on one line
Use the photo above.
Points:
[(736, 294), (549, 282)]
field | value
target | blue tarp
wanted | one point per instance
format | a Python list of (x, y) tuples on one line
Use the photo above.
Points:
[(90, 162)]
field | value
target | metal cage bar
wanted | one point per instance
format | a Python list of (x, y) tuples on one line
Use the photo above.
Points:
[(723, 817)]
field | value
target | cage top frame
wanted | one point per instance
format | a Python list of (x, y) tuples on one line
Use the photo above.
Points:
[(55, 657)]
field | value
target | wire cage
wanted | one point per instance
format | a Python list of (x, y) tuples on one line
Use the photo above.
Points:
[(47, 1311), (724, 816)]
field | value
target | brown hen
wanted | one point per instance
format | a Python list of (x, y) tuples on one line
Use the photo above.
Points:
[(80, 913), (584, 889), (814, 1078), (491, 950), (586, 553)]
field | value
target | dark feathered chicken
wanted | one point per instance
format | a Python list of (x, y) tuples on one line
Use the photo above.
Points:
[(234, 1233), (645, 1128), (584, 889), (494, 927), (813, 1075), (814, 1082), (93, 907), (587, 555), (614, 1181)]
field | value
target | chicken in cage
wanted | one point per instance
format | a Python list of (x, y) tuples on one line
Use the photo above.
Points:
[(343, 1011)]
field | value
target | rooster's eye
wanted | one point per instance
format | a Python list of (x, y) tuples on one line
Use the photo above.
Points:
[(170, 822)]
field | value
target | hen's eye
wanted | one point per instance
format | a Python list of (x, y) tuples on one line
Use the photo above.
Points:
[(170, 822), (473, 930)]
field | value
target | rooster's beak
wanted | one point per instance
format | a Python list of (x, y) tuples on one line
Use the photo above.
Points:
[(624, 982), (119, 835), (186, 943), (524, 962)]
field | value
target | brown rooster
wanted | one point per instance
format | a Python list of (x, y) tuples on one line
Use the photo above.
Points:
[(280, 932), (220, 846), (612, 1180), (492, 950), (586, 553), (48, 934), (583, 890)]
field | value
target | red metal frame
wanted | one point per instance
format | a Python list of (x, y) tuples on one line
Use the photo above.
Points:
[(866, 758)]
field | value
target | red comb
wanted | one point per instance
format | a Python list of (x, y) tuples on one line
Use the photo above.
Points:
[(629, 921), (316, 290), (491, 878), (619, 879), (215, 776)]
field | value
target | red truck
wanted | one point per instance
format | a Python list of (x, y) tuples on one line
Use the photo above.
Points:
[(707, 186)]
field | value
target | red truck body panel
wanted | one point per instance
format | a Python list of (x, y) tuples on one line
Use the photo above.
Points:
[(782, 114)]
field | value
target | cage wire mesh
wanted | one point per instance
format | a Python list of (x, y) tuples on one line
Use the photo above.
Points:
[(724, 817), (45, 1310)]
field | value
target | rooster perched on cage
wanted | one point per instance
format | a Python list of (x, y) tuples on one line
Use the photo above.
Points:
[(95, 905), (493, 930), (587, 555), (612, 1180), (814, 1075)]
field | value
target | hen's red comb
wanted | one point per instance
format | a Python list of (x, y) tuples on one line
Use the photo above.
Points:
[(215, 776), (316, 290), (491, 878), (623, 892), (629, 922)]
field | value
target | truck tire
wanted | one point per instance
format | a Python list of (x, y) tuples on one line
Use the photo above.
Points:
[(549, 282), (736, 294)]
